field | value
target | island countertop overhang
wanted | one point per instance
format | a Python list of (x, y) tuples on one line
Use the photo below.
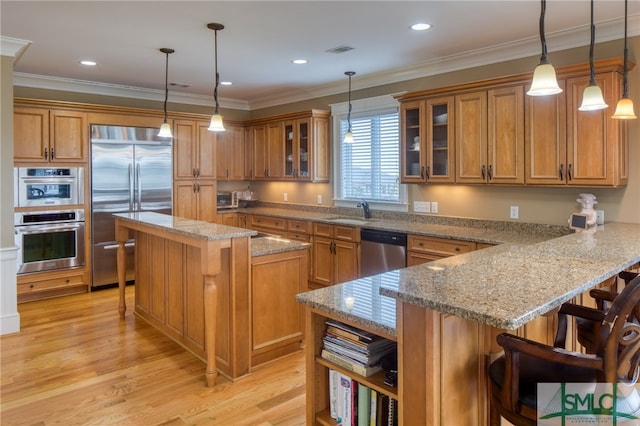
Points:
[(504, 286)]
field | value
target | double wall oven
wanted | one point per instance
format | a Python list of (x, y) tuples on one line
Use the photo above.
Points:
[(53, 236), (49, 240)]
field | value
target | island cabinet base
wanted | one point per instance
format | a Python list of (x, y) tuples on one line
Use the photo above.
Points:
[(170, 295), (277, 320)]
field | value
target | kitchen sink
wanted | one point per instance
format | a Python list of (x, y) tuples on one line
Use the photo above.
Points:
[(350, 221)]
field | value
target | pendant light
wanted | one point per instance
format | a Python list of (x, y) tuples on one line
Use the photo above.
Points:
[(592, 96), (216, 124), (165, 128), (624, 109), (348, 137), (544, 76)]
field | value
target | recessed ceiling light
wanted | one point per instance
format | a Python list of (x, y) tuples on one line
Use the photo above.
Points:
[(88, 63), (421, 26), (226, 83), (299, 61)]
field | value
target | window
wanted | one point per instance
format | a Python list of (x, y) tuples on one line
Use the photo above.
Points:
[(369, 168)]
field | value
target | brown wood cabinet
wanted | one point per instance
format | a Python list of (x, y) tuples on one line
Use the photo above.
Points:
[(291, 147), (427, 141), (490, 136), (566, 146), (194, 150), (195, 199), (504, 137), (42, 135), (277, 319), (51, 284), (267, 224), (335, 254), (421, 249), (230, 152)]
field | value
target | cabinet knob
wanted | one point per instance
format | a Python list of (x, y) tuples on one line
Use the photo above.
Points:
[(32, 286), (457, 248), (46, 153)]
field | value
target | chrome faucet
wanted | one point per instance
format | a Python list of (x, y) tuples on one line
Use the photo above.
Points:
[(365, 208)]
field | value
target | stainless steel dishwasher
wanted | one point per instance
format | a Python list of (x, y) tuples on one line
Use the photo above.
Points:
[(381, 251)]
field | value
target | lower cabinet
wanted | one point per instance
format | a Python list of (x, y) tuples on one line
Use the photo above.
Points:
[(51, 284), (277, 319), (335, 254), (421, 249), (195, 200), (267, 224)]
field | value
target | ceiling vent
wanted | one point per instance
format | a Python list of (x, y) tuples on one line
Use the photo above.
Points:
[(340, 49)]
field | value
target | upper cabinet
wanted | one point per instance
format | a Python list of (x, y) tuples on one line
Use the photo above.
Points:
[(43, 135), (427, 140), (230, 154), (291, 147), (194, 150), (498, 135)]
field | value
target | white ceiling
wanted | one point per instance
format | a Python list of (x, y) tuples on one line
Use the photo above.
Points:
[(262, 37)]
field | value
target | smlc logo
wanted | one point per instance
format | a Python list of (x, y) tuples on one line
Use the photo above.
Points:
[(588, 404)]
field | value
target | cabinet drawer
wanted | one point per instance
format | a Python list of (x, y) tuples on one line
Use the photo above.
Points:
[(346, 233), (269, 222), (299, 226), (299, 236), (323, 229), (439, 246), (49, 284)]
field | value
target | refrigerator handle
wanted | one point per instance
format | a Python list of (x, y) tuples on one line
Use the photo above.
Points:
[(139, 187), (130, 187)]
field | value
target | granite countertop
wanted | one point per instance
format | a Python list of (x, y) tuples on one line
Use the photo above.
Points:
[(481, 231), (210, 231), (504, 286)]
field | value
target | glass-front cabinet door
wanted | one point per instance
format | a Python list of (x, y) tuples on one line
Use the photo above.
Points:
[(411, 141), (290, 153), (439, 140), (297, 144)]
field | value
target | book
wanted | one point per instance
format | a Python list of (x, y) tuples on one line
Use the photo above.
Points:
[(382, 409), (333, 392), (392, 413), (344, 405), (373, 409), (349, 364), (364, 405), (354, 333), (364, 359), (366, 348)]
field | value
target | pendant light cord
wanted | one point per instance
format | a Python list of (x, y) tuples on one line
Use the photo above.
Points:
[(625, 85), (349, 114), (215, 90), (592, 80), (543, 41), (166, 84)]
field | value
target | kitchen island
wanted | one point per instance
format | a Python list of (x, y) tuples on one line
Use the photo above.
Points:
[(444, 316), (194, 284)]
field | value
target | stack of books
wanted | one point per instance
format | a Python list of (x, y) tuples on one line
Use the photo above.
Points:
[(355, 350), (355, 404)]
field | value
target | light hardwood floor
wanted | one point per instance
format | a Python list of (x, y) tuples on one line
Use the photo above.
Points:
[(76, 363)]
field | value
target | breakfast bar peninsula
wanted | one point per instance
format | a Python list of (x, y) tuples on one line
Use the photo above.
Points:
[(445, 315), (225, 294)]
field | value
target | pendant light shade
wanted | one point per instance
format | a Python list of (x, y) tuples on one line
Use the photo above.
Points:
[(216, 124), (165, 128), (544, 76), (348, 137), (624, 109), (592, 98)]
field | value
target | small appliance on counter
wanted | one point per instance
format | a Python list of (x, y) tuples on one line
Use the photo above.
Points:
[(227, 200)]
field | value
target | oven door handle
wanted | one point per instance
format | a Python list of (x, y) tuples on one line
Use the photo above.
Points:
[(49, 181), (39, 229), (115, 246)]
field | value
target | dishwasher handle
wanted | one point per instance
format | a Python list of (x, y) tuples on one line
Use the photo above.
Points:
[(384, 237)]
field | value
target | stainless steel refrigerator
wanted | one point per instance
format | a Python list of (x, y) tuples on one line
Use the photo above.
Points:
[(131, 170)]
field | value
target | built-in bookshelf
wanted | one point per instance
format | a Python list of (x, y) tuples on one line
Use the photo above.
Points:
[(370, 395)]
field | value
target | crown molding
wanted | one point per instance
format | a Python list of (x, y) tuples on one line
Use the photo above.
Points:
[(37, 81), (13, 47), (529, 47)]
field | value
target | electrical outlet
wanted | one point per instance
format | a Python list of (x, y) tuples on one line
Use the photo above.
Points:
[(600, 217), (422, 207), (434, 207), (514, 212), (285, 196), (319, 199)]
